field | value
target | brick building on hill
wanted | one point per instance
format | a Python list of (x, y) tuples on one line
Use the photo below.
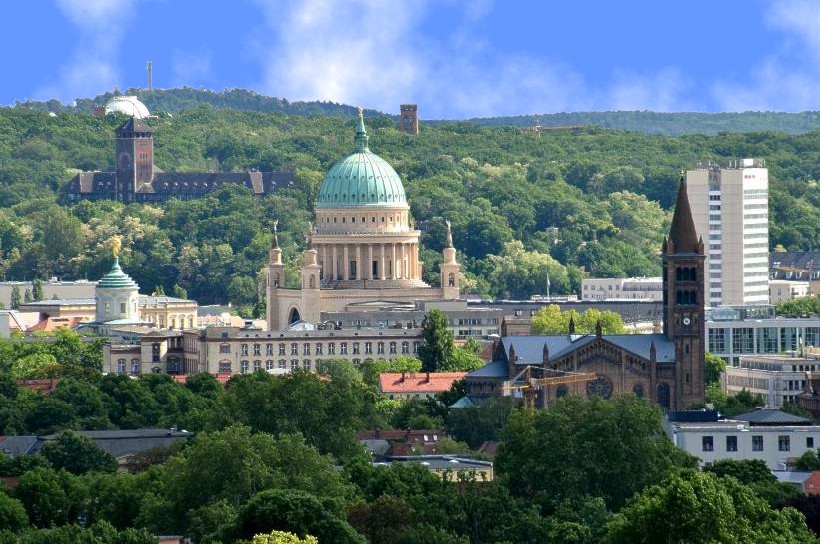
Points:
[(137, 179)]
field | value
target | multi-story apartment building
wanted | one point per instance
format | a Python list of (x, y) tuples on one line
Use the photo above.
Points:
[(241, 350), (730, 206), (780, 290), (772, 436), (622, 288)]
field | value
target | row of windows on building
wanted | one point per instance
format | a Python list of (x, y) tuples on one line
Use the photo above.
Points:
[(319, 348), (783, 443), (767, 339), (391, 219), (173, 365), (765, 384), (245, 366)]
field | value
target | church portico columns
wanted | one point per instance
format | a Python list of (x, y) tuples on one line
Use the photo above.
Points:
[(381, 264), (346, 265), (335, 264), (359, 268), (369, 266)]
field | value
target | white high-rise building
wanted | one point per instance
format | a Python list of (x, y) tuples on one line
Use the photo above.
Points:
[(730, 206)]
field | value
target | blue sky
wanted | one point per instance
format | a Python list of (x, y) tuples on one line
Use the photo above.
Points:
[(455, 58)]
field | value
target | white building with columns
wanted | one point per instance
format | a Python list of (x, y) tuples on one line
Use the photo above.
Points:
[(363, 246)]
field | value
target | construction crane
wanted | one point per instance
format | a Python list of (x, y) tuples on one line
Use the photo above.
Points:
[(528, 385)]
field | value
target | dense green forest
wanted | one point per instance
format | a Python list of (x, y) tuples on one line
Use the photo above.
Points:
[(671, 124), (647, 122), (279, 453), (567, 203)]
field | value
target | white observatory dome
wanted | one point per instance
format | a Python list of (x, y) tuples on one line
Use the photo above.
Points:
[(129, 105)]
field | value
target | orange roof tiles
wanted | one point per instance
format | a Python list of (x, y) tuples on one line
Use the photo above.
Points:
[(51, 324), (421, 382)]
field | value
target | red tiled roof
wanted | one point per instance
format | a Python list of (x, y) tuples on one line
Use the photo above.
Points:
[(414, 435), (409, 382), (46, 385), (183, 378), (51, 324), (812, 485)]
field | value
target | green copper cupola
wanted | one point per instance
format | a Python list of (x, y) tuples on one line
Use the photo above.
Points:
[(361, 179), (116, 278)]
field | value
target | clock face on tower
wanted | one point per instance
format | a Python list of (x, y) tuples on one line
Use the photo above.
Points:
[(687, 321)]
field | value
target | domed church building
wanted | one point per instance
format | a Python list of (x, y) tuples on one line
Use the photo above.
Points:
[(363, 247)]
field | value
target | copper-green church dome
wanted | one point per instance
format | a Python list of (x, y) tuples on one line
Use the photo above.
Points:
[(116, 278), (362, 179)]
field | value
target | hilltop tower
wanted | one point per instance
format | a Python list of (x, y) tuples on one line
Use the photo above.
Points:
[(409, 121), (135, 158), (683, 302)]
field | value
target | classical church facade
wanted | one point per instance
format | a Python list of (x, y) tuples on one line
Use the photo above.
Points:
[(363, 248), (667, 368), (137, 179)]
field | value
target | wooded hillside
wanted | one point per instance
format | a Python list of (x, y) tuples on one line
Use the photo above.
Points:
[(569, 202)]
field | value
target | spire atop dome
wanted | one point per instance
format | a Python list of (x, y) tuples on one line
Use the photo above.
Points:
[(682, 233), (361, 133)]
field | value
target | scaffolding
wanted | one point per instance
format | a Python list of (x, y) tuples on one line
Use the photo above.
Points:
[(528, 385)]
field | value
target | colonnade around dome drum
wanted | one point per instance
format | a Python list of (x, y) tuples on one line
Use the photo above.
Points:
[(372, 260)]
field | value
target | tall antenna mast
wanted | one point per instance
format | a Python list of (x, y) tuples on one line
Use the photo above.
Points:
[(150, 82)]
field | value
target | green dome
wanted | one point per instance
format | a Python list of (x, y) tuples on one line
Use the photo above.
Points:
[(116, 278), (362, 179)]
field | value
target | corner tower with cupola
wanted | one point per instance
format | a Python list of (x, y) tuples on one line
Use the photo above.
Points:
[(363, 246), (683, 301), (117, 294)]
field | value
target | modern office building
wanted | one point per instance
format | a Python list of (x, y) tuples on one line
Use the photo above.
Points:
[(778, 379), (729, 339), (730, 206)]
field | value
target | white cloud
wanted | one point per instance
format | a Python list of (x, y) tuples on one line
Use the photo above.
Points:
[(788, 78), (375, 53), (91, 67), (341, 51), (378, 54), (190, 68), (664, 91)]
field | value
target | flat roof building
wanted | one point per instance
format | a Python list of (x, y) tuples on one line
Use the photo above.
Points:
[(730, 206)]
